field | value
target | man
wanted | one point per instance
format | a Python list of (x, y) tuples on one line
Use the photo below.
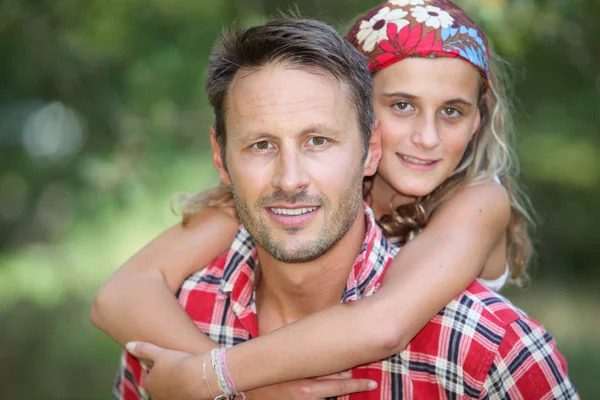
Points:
[(292, 137)]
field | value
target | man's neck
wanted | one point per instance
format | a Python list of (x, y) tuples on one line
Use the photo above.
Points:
[(287, 292)]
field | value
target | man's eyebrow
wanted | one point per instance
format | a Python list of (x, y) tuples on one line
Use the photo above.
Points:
[(319, 129), (259, 135)]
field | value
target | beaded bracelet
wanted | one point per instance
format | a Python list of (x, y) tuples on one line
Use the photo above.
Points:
[(225, 371), (204, 377), (224, 380)]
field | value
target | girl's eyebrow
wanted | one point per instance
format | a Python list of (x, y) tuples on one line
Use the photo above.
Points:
[(401, 94), (458, 100), (409, 96)]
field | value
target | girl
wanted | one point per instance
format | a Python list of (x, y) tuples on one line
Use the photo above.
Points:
[(443, 183)]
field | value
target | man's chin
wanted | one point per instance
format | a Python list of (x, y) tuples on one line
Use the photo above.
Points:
[(296, 258), (298, 254)]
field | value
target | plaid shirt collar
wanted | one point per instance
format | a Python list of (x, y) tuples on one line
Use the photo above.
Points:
[(364, 279)]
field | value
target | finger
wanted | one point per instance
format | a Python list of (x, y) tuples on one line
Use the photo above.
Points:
[(338, 387), (144, 350), (339, 375)]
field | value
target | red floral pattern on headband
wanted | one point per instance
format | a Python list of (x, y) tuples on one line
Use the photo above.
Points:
[(406, 43), (419, 28)]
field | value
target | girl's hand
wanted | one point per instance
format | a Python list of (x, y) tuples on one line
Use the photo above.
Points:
[(313, 389), (176, 376)]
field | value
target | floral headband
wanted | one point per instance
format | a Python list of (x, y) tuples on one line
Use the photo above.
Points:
[(399, 29)]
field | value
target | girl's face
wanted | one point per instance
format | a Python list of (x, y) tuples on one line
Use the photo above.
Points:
[(427, 110)]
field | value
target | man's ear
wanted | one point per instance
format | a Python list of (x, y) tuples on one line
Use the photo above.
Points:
[(218, 158), (374, 151)]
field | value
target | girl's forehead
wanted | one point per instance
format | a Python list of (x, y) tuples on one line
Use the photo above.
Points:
[(428, 72)]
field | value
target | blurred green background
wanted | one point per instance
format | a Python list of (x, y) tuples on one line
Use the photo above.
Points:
[(103, 118)]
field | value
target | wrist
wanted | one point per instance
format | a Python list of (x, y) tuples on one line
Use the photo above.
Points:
[(225, 386), (199, 377)]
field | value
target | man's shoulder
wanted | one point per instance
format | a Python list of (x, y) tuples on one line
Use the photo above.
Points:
[(220, 269), (206, 280), (210, 274), (488, 346), (526, 361), (475, 323), (481, 314), (468, 333), (495, 307)]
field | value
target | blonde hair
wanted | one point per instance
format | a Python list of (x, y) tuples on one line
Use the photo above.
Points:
[(489, 154), (218, 196)]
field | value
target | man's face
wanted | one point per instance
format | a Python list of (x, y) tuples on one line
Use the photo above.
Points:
[(294, 160)]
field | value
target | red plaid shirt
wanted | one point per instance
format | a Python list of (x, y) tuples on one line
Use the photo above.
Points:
[(478, 347)]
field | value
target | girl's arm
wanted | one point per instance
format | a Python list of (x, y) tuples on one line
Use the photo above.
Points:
[(426, 275), (137, 302)]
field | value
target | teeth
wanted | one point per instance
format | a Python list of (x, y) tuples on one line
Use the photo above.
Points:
[(296, 211), (417, 161)]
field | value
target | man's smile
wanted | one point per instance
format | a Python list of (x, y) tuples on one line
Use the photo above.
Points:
[(296, 216)]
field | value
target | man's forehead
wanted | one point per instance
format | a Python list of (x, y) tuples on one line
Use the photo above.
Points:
[(279, 94), (282, 81)]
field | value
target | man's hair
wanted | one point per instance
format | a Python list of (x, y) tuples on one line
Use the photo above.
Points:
[(303, 44)]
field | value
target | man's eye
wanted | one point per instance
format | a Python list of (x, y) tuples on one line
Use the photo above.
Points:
[(403, 106), (263, 145), (317, 141)]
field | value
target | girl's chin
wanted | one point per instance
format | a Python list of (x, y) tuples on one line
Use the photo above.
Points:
[(414, 190), (409, 188)]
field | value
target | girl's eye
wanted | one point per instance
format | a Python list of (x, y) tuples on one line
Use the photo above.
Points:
[(451, 112), (403, 106), (263, 145), (317, 141)]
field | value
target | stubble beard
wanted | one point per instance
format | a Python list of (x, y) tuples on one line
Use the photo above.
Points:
[(337, 222)]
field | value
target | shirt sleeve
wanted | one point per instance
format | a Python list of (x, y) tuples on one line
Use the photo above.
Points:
[(528, 366), (128, 382)]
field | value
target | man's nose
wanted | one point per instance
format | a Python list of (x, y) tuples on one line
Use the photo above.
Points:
[(290, 175), (425, 132)]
